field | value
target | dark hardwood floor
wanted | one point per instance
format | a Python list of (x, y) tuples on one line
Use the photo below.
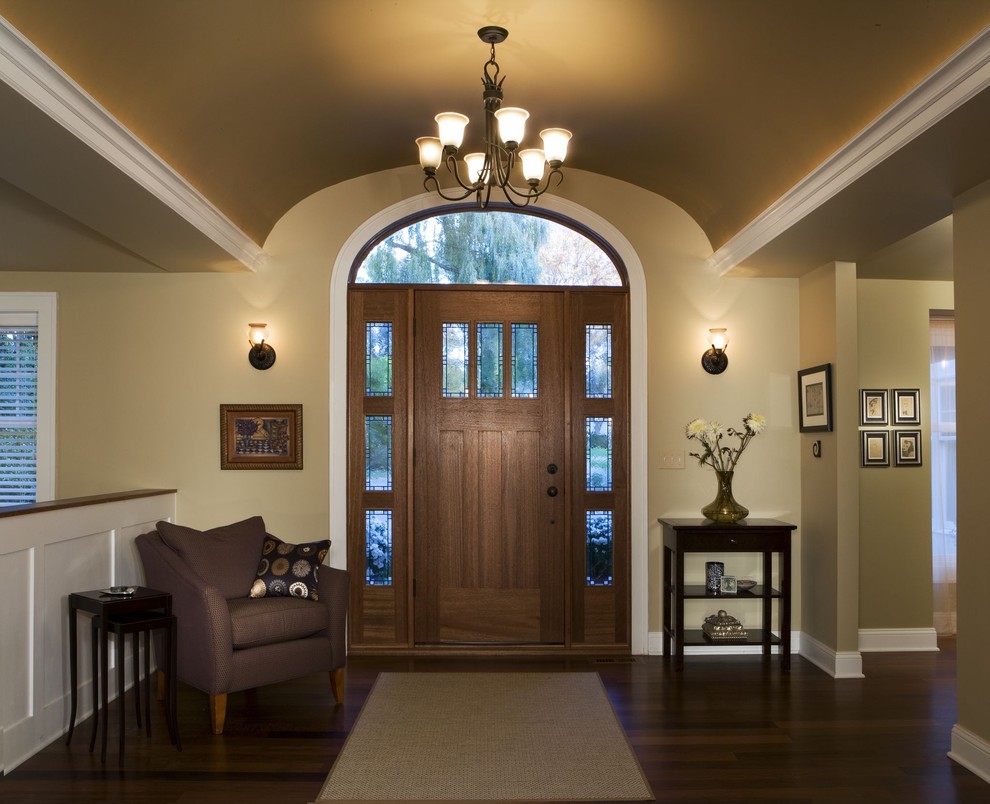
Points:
[(727, 729)]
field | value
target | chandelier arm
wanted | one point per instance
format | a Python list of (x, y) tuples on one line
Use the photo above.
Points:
[(439, 190)]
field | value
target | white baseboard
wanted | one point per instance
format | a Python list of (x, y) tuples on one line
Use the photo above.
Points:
[(970, 751), (880, 640), (847, 664)]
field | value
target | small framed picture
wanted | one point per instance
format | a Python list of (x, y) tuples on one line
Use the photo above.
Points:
[(873, 406), (907, 447), (815, 399), (727, 585), (874, 449), (261, 437), (907, 406)]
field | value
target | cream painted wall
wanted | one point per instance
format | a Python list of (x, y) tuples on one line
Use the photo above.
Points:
[(895, 502), (971, 245), (145, 361)]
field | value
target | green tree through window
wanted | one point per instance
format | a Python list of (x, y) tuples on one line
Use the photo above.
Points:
[(488, 247)]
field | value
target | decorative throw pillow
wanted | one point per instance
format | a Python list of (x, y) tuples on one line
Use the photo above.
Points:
[(225, 557), (289, 569)]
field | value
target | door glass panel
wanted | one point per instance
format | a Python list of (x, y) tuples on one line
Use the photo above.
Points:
[(378, 547), (599, 554), (455, 360), (598, 453), (378, 359), (489, 360), (378, 453), (598, 361), (524, 360)]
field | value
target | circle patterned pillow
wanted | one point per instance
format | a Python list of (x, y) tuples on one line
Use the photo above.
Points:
[(289, 569)]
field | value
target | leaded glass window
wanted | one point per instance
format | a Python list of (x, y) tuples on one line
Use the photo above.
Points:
[(455, 360), (524, 360), (378, 547), (490, 360), (598, 527), (378, 453), (598, 361), (598, 453), (378, 358)]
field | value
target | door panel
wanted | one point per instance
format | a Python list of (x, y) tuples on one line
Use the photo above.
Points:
[(490, 546)]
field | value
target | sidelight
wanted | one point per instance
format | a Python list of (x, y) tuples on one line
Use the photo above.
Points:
[(377, 453), (378, 547), (598, 527), (598, 361), (378, 358), (598, 453)]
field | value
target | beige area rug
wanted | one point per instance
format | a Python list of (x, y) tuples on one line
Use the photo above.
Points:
[(487, 737)]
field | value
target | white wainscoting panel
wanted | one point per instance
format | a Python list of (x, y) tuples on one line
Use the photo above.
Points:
[(48, 551)]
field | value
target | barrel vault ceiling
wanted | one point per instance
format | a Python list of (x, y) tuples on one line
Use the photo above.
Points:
[(171, 135)]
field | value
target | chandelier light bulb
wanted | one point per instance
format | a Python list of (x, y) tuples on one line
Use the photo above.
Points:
[(555, 145), (475, 167), (511, 125), (451, 126), (533, 164), (430, 152)]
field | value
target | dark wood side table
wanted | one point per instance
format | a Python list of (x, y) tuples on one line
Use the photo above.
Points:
[(765, 536), (107, 610)]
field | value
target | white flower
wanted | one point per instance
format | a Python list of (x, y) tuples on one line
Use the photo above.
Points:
[(710, 434), (756, 423), (695, 428)]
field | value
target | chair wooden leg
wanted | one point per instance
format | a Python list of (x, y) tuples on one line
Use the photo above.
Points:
[(337, 684), (160, 688), (218, 711)]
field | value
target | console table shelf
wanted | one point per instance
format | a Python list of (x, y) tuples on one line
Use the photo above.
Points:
[(764, 536)]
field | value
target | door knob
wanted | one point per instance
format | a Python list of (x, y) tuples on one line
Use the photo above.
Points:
[(552, 491)]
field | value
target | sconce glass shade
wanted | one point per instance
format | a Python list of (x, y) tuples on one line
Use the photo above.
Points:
[(511, 124), (714, 361), (533, 164), (430, 152), (451, 126), (261, 355), (555, 145)]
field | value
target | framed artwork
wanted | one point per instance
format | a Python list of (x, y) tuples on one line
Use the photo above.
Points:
[(907, 406), (727, 585), (874, 448), (261, 437), (907, 447), (815, 399), (873, 406)]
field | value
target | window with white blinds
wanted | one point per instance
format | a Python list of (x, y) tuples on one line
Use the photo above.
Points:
[(27, 397), (18, 412)]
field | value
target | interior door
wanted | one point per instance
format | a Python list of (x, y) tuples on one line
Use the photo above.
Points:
[(489, 490)]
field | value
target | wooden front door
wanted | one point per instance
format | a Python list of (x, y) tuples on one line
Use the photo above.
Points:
[(489, 474)]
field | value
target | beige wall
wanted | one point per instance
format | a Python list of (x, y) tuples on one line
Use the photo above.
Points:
[(895, 502), (145, 361), (971, 245)]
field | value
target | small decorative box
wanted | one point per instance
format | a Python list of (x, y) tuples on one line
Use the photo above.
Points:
[(723, 627)]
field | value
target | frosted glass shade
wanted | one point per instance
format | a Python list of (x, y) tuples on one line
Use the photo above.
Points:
[(257, 333), (475, 167), (533, 164), (430, 152), (451, 128), (555, 144), (718, 337), (511, 124)]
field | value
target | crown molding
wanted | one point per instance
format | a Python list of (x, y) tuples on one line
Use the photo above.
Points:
[(957, 80), (39, 80)]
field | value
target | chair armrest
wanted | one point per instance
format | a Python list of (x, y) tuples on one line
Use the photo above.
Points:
[(334, 589), (205, 643)]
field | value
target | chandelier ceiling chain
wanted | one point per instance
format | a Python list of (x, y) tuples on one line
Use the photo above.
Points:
[(504, 129)]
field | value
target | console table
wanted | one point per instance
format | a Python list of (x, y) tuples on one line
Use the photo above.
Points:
[(765, 536)]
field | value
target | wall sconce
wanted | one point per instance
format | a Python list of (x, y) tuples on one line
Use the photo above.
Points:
[(714, 360), (261, 355)]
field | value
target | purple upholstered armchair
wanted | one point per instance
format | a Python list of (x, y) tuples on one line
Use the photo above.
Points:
[(229, 641)]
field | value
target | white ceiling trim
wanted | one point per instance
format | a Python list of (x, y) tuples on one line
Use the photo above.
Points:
[(961, 77), (32, 74)]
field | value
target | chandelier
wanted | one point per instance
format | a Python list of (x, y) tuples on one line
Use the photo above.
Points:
[(504, 130)]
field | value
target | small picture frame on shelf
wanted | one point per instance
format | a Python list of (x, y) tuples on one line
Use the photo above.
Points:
[(874, 448), (873, 406), (727, 585), (907, 448), (907, 406)]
